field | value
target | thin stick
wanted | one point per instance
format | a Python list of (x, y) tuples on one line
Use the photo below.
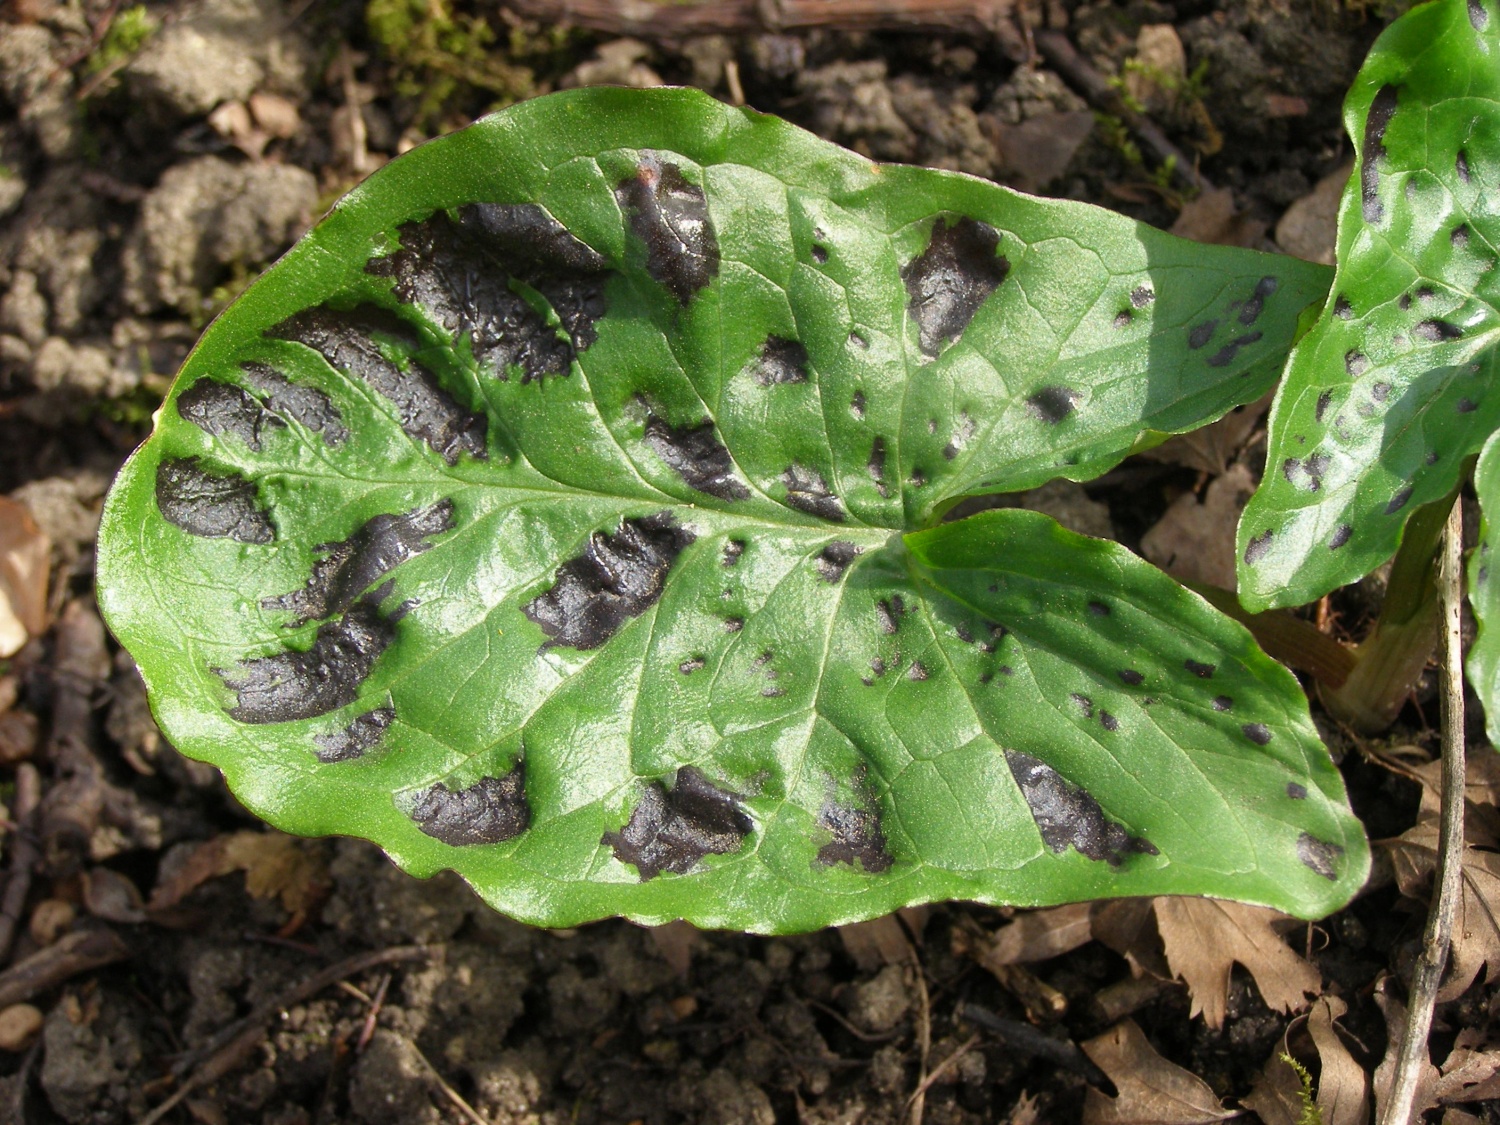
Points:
[(1448, 879), (918, 1103), (944, 1067), (1078, 71), (24, 854)]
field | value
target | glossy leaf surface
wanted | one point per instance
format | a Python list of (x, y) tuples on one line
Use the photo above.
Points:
[(1394, 387), (1484, 591), (542, 516)]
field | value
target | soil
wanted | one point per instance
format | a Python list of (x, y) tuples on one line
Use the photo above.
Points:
[(143, 179)]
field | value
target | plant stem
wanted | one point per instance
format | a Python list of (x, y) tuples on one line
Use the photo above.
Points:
[(1447, 881), (1392, 657)]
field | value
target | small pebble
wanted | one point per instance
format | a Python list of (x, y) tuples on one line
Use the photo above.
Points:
[(52, 918), (20, 1024)]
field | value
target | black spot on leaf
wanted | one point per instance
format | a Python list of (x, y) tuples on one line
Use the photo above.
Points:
[(889, 616), (1252, 308), (1342, 309), (1341, 535), (948, 281), (490, 811), (733, 549), (1296, 791), (820, 255), (1222, 703), (877, 665), (1256, 549), (1141, 296), (1123, 318), (1381, 111), (349, 568), (1308, 473), (1467, 406), (917, 672), (1479, 19), (1200, 334), (835, 559), (617, 577), (857, 406), (696, 454), (918, 478), (1202, 671), (288, 686), (691, 664), (1322, 407), (444, 270), (733, 624), (1052, 404), (670, 215), (1319, 855), (218, 408), (1099, 609), (1225, 355), (357, 739), (1461, 163), (1459, 239), (807, 491), (1436, 331), (1067, 815), (1131, 677), (857, 836), (211, 505), (307, 406), (1257, 733), (780, 361), (672, 830), (1380, 391), (1083, 703), (427, 412), (1403, 302), (1356, 363), (1108, 721), (1398, 501)]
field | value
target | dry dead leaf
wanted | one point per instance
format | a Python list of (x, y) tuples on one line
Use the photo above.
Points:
[(1213, 448), (1204, 938), (274, 864), (1039, 149), (1161, 68), (1276, 1097), (1036, 935), (1343, 1087), (1472, 1072), (880, 941), (1152, 1091), (1026, 1111), (1310, 225), (675, 941), (1193, 541), (1128, 926), (25, 555), (1395, 1024), (1476, 922), (1213, 217)]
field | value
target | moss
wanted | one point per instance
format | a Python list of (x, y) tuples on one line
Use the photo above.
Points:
[(443, 57), (127, 34)]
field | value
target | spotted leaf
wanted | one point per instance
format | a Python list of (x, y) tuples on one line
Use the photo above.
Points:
[(1394, 387), (543, 516)]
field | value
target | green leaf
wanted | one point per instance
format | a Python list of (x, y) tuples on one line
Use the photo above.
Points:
[(541, 516), (1484, 592), (1392, 389)]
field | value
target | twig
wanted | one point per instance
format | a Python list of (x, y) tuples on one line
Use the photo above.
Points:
[(1447, 881), (1060, 54), (24, 854), (918, 1103), (944, 1067), (219, 1054), (630, 17), (76, 953), (367, 1032), (450, 1093), (1027, 1040)]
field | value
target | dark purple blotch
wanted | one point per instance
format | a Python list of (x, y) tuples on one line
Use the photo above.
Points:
[(673, 829)]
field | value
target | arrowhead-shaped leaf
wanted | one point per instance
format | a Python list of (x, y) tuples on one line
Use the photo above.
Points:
[(542, 516), (1392, 390)]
